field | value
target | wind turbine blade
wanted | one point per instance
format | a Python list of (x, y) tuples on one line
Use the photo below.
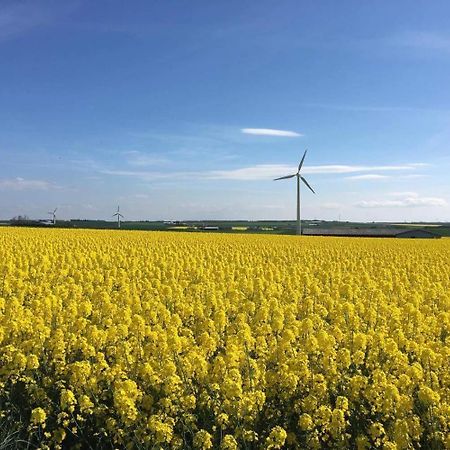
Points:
[(286, 177), (301, 162), (304, 181)]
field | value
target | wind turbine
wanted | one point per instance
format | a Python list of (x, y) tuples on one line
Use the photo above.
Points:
[(118, 216), (299, 177), (53, 214)]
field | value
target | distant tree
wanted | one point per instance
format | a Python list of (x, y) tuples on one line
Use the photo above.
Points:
[(20, 219)]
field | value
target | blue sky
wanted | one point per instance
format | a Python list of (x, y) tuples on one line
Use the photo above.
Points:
[(171, 109)]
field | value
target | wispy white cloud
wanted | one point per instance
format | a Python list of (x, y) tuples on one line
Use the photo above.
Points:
[(409, 176), (136, 158), (258, 172), (368, 176), (403, 200), (331, 205), (20, 184), (420, 164), (267, 171), (270, 132), (339, 168), (154, 175), (126, 173), (403, 194)]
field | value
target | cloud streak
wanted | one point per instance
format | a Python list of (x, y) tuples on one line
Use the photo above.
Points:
[(262, 172), (20, 184), (368, 176), (267, 171), (135, 158), (154, 175), (403, 200), (270, 132)]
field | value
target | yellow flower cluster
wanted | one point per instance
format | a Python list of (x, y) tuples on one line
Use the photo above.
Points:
[(115, 339)]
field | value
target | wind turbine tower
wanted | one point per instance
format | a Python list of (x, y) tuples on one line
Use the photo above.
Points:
[(53, 214), (299, 177), (119, 216)]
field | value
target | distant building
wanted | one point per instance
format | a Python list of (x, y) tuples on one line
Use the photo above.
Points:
[(381, 232)]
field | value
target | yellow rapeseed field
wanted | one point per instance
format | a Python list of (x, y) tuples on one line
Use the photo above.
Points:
[(112, 339)]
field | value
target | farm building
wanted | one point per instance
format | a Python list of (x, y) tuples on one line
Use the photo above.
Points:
[(418, 233)]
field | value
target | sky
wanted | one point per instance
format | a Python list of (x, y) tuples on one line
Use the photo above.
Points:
[(188, 110)]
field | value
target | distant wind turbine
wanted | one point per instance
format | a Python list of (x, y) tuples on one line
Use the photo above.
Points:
[(118, 216), (299, 177), (53, 214)]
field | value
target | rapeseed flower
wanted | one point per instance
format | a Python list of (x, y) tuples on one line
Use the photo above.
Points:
[(216, 341)]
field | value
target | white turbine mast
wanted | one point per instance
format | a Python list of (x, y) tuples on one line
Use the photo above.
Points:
[(53, 214), (299, 177), (118, 216)]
